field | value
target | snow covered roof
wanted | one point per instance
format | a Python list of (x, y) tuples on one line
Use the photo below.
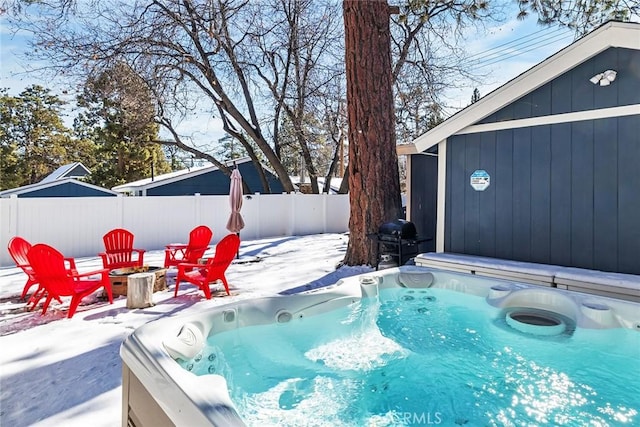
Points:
[(71, 170)]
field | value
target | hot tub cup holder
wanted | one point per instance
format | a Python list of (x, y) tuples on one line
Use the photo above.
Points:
[(600, 313), (500, 291)]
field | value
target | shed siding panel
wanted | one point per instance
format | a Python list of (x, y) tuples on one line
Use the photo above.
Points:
[(458, 187), (504, 194), (424, 176), (487, 199), (560, 194), (541, 101), (522, 193), (629, 194), (605, 195), (561, 94), (627, 82), (471, 200), (607, 96), (540, 193), (582, 90), (582, 194)]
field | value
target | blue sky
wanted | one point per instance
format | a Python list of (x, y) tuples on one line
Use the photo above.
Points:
[(502, 53), (507, 51)]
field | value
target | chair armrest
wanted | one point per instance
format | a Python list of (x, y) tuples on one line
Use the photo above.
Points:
[(72, 263), (91, 273), (174, 246), (140, 251), (190, 265), (187, 266)]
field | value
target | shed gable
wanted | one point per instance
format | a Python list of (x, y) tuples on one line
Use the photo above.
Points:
[(573, 92)]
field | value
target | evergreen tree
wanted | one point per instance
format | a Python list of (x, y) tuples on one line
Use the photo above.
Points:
[(476, 96), (34, 141), (120, 119)]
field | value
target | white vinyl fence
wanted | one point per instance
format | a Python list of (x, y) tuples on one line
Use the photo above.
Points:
[(75, 225)]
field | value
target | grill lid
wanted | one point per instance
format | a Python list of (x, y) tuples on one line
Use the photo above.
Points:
[(399, 228)]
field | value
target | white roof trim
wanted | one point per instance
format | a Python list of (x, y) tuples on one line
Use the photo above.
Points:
[(603, 113), (611, 34)]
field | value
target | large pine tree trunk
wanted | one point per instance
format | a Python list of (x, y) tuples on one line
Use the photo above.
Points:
[(374, 183)]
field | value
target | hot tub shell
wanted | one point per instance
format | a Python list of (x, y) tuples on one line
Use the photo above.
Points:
[(157, 391)]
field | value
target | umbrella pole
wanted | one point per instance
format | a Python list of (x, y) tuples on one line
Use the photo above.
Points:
[(238, 254)]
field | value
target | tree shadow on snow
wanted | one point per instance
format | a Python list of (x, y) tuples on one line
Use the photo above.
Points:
[(41, 392)]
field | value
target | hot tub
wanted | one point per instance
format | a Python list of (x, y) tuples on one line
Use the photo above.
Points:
[(158, 391)]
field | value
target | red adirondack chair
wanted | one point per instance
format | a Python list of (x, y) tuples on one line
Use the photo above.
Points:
[(119, 250), (18, 248), (203, 274), (199, 239), (50, 271)]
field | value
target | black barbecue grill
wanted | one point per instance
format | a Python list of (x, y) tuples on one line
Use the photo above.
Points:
[(398, 239)]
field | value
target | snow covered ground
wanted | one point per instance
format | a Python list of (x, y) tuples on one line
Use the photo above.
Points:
[(56, 371)]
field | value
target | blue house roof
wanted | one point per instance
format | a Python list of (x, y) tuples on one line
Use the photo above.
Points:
[(67, 187)]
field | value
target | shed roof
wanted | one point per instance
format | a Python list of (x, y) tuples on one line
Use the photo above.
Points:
[(610, 34)]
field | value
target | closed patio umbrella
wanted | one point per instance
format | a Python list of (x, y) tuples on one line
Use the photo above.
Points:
[(235, 222)]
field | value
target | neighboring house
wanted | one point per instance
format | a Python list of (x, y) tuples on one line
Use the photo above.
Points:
[(205, 180), (65, 187), (72, 170), (61, 183), (545, 168), (305, 186)]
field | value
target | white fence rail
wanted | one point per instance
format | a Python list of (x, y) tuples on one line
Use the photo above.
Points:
[(75, 225)]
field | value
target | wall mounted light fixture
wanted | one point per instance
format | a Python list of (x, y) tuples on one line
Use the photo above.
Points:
[(605, 78)]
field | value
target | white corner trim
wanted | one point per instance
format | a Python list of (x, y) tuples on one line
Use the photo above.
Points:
[(604, 113), (442, 186)]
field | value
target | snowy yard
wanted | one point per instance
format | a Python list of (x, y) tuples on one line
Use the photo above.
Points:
[(67, 372)]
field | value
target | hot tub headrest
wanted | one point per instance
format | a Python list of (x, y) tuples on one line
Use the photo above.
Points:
[(186, 344), (415, 279)]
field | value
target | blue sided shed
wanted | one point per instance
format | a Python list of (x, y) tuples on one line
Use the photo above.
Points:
[(544, 169)]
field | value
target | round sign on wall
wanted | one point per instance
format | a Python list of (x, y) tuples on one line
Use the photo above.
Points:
[(480, 180)]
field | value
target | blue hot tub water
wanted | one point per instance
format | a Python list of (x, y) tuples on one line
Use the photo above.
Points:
[(424, 356)]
